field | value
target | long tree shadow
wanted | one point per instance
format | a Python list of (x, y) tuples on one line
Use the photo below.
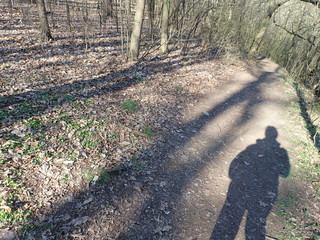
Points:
[(179, 176), (16, 55), (253, 190), (22, 106), (312, 129), (62, 94), (184, 174)]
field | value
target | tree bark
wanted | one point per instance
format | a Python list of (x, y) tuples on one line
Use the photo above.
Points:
[(109, 8), (136, 31), (164, 27), (128, 6), (151, 5), (44, 25), (10, 5), (68, 16)]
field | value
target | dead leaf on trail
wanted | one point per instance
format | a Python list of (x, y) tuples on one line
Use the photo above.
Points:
[(79, 221), (6, 208), (162, 183), (87, 201)]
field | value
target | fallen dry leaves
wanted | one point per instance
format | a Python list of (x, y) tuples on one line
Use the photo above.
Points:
[(63, 126)]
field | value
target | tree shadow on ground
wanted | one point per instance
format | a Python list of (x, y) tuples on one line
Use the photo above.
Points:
[(51, 49), (309, 124), (177, 178), (42, 100), (253, 190), (181, 176), (36, 102)]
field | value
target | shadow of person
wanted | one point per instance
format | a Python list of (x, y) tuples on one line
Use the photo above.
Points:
[(254, 188)]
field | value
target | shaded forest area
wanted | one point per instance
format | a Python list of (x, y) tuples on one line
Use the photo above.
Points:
[(92, 90)]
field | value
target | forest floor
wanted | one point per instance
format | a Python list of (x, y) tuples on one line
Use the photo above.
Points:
[(172, 147)]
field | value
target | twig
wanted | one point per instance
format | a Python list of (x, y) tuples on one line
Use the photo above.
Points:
[(219, 127), (268, 236), (315, 138)]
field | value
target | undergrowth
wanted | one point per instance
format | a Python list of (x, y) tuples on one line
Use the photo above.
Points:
[(298, 217)]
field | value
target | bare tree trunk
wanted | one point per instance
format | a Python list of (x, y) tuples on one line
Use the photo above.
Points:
[(150, 5), (102, 13), (109, 8), (121, 27), (175, 15), (136, 31), (85, 18), (164, 27), (68, 16), (116, 15), (51, 14), (44, 25), (128, 24), (10, 5), (128, 6)]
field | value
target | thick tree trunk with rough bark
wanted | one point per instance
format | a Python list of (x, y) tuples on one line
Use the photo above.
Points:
[(44, 25), (136, 31), (164, 27)]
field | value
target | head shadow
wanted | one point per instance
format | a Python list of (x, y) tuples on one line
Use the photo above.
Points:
[(253, 190)]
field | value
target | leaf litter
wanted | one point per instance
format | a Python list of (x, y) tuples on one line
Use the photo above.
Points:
[(63, 128)]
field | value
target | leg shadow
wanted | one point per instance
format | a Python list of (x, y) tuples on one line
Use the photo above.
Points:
[(253, 190)]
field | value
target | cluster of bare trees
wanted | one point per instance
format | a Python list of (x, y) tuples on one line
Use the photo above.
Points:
[(160, 21), (285, 30)]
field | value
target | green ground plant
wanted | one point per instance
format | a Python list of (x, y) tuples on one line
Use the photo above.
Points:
[(34, 123), (104, 176), (11, 215), (141, 79), (304, 157), (148, 131), (130, 105)]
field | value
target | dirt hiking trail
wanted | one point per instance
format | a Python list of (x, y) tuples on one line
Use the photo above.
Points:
[(197, 158), (186, 180)]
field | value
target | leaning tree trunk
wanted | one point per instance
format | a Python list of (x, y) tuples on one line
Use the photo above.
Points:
[(164, 27), (44, 25), (136, 31)]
